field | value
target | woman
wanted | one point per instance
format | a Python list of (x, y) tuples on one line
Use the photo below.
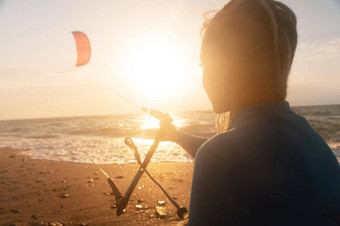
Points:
[(269, 167)]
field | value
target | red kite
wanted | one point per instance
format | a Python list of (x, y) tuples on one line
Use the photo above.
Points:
[(83, 48)]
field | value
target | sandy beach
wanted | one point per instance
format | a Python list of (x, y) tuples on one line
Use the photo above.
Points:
[(42, 192)]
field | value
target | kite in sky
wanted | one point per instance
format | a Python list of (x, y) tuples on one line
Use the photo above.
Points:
[(83, 48)]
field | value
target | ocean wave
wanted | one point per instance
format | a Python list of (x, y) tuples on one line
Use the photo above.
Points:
[(101, 150), (72, 139)]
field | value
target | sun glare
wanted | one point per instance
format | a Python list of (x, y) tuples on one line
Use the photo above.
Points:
[(150, 122), (156, 64)]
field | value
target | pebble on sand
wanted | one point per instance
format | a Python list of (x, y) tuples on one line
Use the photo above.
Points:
[(160, 212), (56, 223), (139, 207), (64, 196), (161, 203), (140, 187)]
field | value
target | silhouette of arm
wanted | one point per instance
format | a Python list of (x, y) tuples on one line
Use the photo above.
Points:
[(188, 142)]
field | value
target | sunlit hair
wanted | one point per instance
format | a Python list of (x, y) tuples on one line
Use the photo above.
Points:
[(277, 32), (222, 122)]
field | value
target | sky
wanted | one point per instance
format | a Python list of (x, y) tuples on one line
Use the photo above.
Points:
[(145, 51)]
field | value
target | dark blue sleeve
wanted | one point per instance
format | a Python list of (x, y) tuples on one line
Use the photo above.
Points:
[(230, 175)]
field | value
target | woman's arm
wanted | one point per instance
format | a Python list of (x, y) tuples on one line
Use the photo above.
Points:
[(189, 143)]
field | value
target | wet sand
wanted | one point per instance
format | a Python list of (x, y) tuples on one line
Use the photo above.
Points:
[(42, 192)]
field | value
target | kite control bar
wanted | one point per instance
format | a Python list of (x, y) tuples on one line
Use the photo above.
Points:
[(181, 210), (122, 201)]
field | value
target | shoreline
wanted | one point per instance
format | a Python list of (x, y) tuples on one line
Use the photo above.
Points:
[(40, 192)]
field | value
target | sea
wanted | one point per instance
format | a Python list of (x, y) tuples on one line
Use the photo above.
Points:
[(101, 138)]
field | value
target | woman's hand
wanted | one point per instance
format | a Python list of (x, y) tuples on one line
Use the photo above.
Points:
[(168, 132), (167, 129)]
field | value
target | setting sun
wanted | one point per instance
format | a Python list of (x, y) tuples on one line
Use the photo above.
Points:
[(157, 66)]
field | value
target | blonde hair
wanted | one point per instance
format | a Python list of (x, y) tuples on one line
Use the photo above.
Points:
[(222, 122)]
